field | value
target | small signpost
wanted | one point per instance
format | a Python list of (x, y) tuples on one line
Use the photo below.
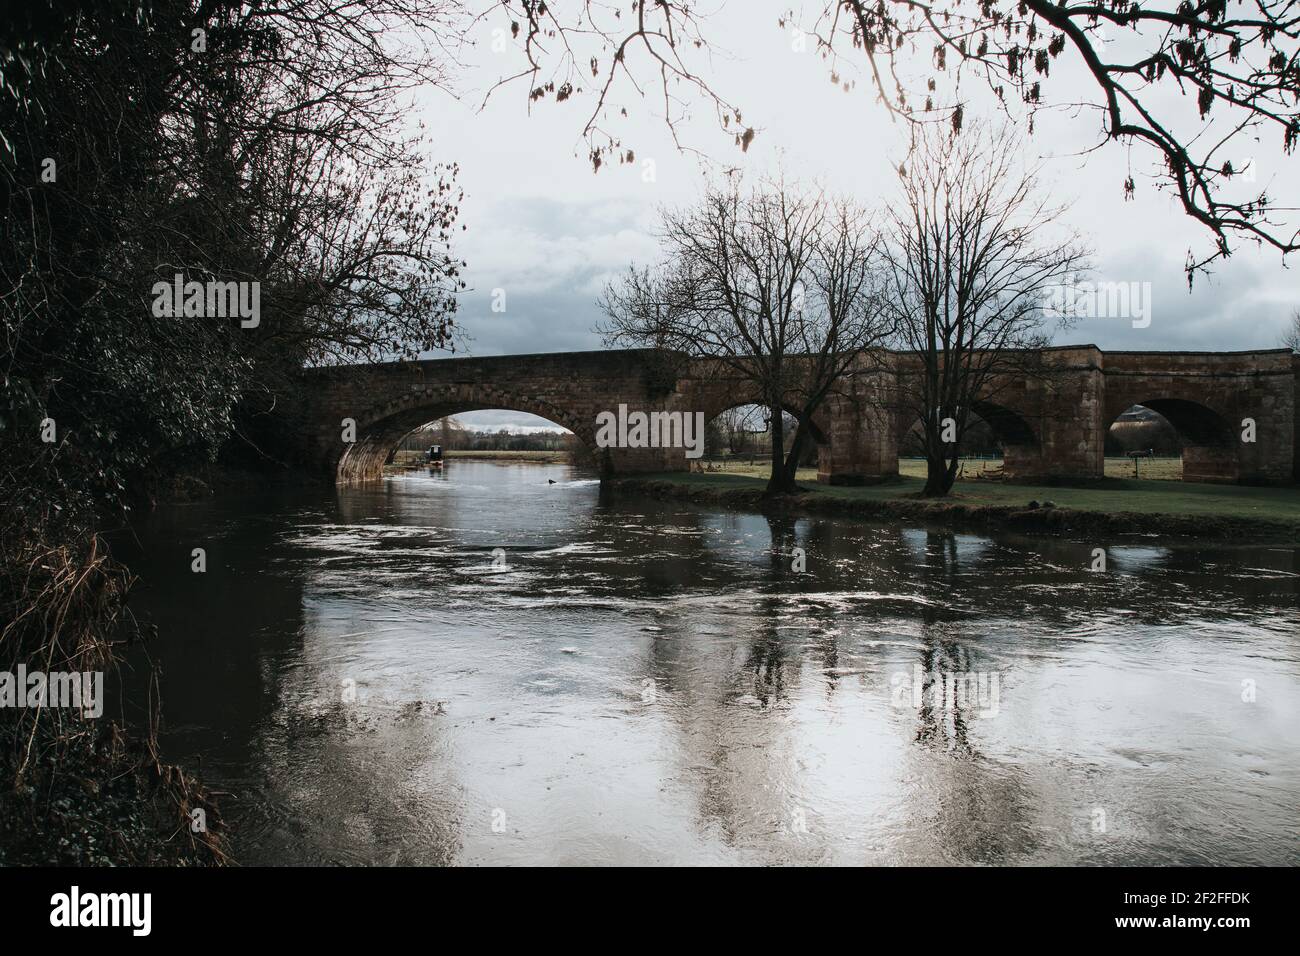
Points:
[(1135, 455)]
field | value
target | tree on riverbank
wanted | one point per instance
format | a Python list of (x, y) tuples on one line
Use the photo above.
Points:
[(777, 282), (968, 259), (263, 145)]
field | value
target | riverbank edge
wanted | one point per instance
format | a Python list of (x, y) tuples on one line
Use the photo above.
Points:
[(960, 514), (81, 790), (956, 513)]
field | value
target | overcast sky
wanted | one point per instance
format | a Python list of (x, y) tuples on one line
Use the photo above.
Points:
[(549, 232)]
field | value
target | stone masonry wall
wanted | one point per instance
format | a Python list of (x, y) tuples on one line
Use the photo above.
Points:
[(1052, 423)]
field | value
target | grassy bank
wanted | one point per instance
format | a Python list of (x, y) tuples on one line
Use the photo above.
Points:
[(1113, 506), (1157, 469)]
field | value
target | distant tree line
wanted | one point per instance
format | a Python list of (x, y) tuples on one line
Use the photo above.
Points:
[(452, 435)]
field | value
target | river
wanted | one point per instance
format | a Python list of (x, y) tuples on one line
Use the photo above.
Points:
[(368, 681)]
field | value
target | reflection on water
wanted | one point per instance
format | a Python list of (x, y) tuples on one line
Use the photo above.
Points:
[(650, 682)]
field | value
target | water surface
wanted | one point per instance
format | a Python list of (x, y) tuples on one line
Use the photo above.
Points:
[(651, 682)]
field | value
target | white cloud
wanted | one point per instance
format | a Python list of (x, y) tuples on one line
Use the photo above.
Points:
[(546, 229)]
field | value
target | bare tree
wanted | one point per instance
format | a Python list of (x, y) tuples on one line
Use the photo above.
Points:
[(266, 143), (738, 424), (451, 433), (968, 265), (1291, 337), (1144, 63), (777, 283)]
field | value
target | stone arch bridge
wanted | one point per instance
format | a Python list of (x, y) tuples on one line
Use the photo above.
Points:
[(1052, 424)]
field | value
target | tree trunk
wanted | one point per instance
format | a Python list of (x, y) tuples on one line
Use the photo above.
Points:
[(939, 472), (936, 473), (789, 468), (796, 453), (778, 482)]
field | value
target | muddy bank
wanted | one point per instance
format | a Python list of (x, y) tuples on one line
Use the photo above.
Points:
[(967, 516)]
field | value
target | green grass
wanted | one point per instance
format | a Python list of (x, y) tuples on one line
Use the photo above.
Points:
[(1157, 469), (1144, 496)]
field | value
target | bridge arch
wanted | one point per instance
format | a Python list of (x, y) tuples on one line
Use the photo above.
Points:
[(1014, 433), (380, 427), (1010, 427), (718, 404), (818, 424), (1211, 447), (1022, 446), (1053, 426)]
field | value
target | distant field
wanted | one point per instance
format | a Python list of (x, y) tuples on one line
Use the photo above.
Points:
[(1154, 469), (1277, 504), (1149, 469), (1159, 491)]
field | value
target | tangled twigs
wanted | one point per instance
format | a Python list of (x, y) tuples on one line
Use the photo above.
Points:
[(77, 793)]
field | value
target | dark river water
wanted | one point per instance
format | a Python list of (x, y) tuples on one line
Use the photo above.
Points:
[(630, 681)]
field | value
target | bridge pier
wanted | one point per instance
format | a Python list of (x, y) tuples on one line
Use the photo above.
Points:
[(1209, 463), (1050, 422), (863, 440)]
